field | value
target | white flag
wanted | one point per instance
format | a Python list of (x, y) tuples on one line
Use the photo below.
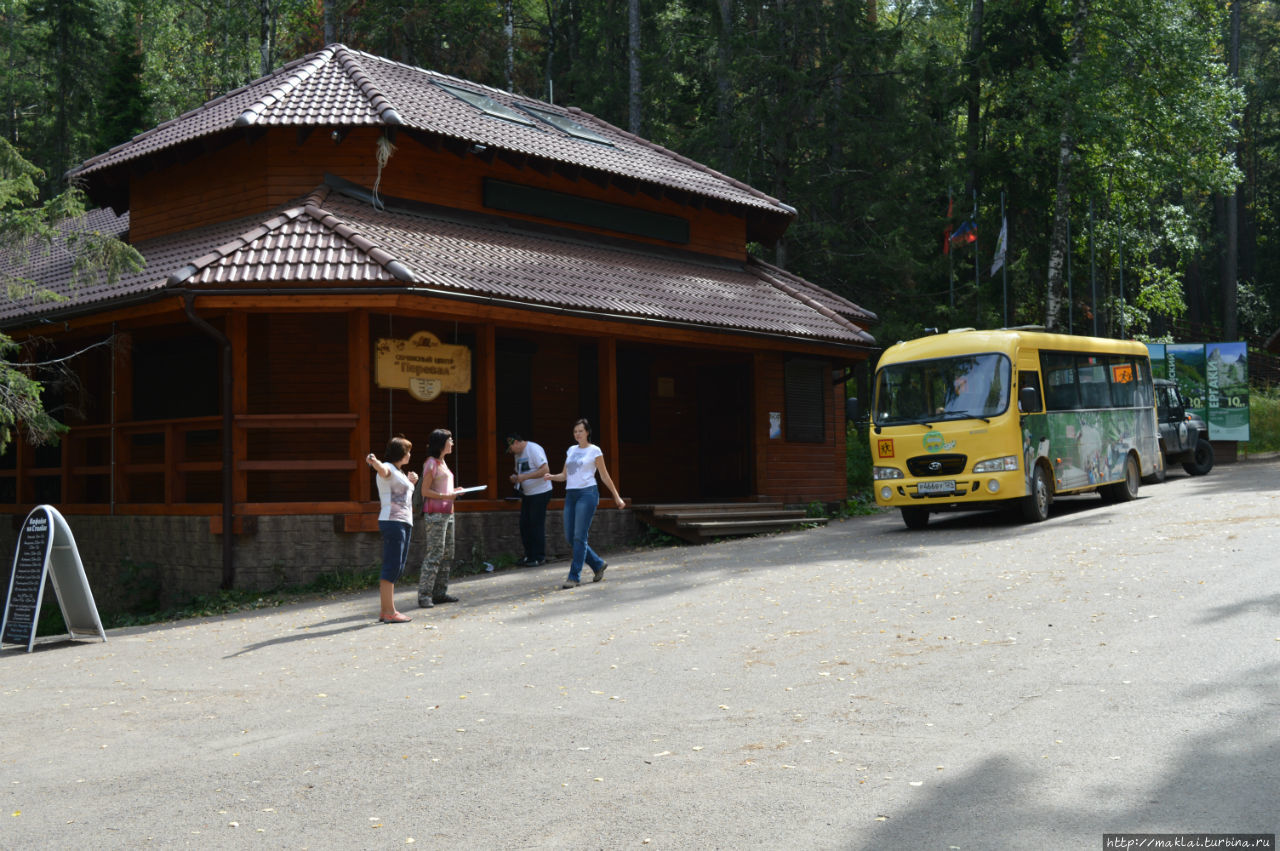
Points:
[(1000, 246)]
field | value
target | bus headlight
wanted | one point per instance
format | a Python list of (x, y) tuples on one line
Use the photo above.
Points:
[(886, 492), (997, 465), (886, 473)]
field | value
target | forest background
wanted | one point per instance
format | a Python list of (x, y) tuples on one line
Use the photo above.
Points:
[(1132, 145)]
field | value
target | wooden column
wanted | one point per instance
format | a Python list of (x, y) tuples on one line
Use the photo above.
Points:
[(121, 412), (359, 379), (485, 388), (760, 423), (237, 331), (606, 436)]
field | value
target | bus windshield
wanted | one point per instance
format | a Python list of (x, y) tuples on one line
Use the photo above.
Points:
[(927, 391)]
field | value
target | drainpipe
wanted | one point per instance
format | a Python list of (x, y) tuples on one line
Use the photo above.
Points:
[(228, 458)]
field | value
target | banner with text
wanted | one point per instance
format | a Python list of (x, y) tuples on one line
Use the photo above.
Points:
[(1215, 379)]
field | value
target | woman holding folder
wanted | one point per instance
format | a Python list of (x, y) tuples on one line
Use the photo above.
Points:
[(438, 495)]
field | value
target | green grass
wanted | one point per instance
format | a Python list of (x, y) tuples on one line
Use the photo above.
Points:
[(1264, 421), (857, 469)]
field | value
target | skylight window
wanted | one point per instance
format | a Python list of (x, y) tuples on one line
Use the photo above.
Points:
[(487, 105), (566, 125)]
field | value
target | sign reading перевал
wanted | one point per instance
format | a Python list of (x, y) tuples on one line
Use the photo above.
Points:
[(422, 365)]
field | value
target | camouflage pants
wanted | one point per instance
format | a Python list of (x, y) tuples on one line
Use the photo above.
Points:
[(437, 561)]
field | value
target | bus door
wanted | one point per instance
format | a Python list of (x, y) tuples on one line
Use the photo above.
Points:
[(1034, 425)]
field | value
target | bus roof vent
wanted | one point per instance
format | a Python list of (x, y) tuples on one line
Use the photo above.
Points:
[(1025, 328), (960, 330)]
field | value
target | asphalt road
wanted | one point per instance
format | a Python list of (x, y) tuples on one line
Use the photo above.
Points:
[(981, 684)]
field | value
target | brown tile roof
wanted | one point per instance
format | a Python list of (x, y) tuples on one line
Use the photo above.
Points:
[(341, 87), (338, 240)]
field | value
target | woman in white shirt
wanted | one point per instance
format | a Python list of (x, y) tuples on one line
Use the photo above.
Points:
[(395, 520), (581, 496)]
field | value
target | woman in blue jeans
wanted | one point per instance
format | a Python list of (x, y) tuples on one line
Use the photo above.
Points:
[(581, 496), (395, 520)]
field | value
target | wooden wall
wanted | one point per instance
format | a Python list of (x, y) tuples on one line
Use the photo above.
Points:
[(254, 177), (306, 410), (796, 472)]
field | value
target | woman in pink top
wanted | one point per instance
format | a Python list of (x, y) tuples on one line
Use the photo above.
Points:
[(438, 494), (395, 520)]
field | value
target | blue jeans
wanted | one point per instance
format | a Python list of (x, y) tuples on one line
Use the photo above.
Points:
[(395, 547), (579, 507)]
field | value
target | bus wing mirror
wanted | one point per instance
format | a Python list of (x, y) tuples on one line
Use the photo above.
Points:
[(851, 410), (1029, 400)]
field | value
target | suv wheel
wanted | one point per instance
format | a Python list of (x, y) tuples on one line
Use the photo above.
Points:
[(1202, 460)]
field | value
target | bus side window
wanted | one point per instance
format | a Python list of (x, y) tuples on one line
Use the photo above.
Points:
[(1060, 381), (1124, 382), (1029, 392)]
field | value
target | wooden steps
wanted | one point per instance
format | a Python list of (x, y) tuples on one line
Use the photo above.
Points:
[(697, 522)]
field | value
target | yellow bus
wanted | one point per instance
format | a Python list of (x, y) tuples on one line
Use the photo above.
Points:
[(1014, 417)]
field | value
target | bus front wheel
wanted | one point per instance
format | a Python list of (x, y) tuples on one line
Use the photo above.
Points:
[(1035, 505), (915, 518)]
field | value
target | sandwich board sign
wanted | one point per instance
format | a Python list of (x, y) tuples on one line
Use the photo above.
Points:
[(46, 547)]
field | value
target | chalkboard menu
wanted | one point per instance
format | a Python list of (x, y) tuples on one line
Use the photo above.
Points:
[(26, 585)]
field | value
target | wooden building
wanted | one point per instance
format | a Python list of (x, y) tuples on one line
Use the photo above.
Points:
[(352, 248)]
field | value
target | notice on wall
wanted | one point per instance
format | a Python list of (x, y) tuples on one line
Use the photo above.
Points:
[(422, 365), (46, 548)]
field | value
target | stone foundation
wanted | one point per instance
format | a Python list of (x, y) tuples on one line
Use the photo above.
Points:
[(132, 560)]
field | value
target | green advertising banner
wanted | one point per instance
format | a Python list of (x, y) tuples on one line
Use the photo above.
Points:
[(1214, 377), (1227, 373)]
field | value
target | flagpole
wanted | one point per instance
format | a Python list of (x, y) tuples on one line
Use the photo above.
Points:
[(977, 265), (1120, 242), (951, 265), (1004, 265), (1093, 271), (1071, 323)]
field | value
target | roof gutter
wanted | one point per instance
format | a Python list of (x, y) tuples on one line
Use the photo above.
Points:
[(431, 292), (228, 448)]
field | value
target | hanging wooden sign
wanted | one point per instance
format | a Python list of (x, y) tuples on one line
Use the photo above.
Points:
[(46, 548), (422, 365)]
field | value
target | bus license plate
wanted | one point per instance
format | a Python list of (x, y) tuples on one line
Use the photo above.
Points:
[(937, 488)]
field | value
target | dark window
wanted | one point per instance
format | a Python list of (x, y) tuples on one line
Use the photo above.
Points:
[(1060, 392), (1081, 381), (1124, 381), (566, 125), (515, 386), (486, 104), (634, 402), (175, 377), (805, 393), (562, 207)]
